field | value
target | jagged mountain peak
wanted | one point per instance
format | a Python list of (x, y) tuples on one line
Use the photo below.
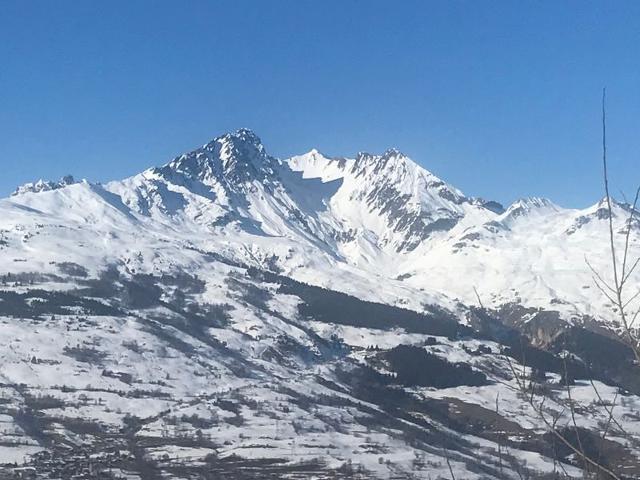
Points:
[(390, 156), (392, 164), (393, 153), (392, 196), (527, 205), (233, 159), (241, 142), (600, 210), (45, 185), (534, 202), (604, 203), (370, 172), (317, 155), (389, 153)]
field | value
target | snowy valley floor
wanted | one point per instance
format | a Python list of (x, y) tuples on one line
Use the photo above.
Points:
[(257, 376)]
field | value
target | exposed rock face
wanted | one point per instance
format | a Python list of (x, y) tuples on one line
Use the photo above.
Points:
[(44, 185)]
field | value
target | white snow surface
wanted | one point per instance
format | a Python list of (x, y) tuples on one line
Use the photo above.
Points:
[(380, 227)]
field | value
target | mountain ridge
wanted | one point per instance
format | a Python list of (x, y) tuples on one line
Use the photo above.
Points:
[(369, 214)]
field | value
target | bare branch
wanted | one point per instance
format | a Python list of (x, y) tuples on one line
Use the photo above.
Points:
[(446, 456), (573, 412), (499, 435), (626, 277), (628, 234), (478, 297), (634, 318), (619, 281), (552, 425), (609, 411), (609, 297), (633, 297), (598, 276), (606, 187)]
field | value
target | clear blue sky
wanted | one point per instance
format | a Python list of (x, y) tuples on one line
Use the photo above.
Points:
[(501, 99)]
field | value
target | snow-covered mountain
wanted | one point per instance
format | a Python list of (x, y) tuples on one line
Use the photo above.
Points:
[(231, 314), (374, 218)]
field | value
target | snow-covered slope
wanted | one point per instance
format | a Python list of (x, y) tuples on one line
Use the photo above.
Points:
[(379, 220), (534, 254), (388, 200), (159, 323)]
